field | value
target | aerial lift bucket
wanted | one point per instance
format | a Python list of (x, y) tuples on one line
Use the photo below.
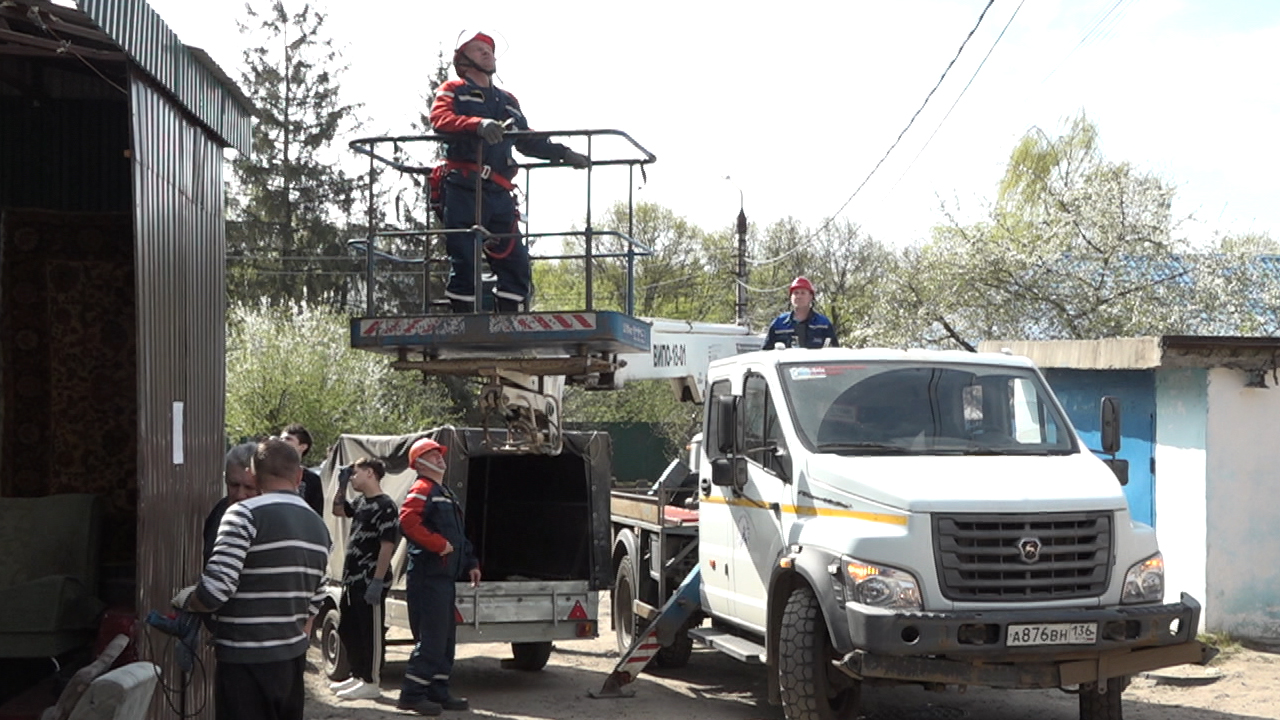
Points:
[(661, 631)]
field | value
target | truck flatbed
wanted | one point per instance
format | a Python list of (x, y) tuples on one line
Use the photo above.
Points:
[(650, 510)]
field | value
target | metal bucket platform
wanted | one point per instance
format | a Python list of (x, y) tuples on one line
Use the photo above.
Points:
[(570, 343)]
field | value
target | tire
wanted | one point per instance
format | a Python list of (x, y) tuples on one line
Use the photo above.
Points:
[(624, 592), (530, 656), (1102, 706), (336, 665), (675, 655), (811, 687)]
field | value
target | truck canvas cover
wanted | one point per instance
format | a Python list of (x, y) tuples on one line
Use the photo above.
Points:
[(528, 516)]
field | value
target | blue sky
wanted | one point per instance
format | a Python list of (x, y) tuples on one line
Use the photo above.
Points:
[(797, 102)]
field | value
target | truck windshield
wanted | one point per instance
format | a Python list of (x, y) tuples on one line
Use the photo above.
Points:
[(861, 408)]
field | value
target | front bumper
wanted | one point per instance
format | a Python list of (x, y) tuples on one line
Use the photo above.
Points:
[(968, 648)]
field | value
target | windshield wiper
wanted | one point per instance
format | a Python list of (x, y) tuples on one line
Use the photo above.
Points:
[(873, 446), (982, 450)]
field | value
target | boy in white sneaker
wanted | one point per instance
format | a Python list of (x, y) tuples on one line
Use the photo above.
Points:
[(366, 575)]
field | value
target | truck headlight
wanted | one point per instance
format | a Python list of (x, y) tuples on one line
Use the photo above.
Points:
[(880, 586), (1144, 582)]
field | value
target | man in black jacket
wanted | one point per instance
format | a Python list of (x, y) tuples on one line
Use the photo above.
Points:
[(311, 491), (241, 485)]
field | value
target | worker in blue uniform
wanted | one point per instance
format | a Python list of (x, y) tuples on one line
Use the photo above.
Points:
[(480, 114), (439, 554), (802, 326)]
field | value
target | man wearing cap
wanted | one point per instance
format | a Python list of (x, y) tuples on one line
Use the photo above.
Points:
[(439, 554), (802, 327), (479, 114)]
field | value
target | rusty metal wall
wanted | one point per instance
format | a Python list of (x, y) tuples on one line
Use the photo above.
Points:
[(180, 243), (203, 89)]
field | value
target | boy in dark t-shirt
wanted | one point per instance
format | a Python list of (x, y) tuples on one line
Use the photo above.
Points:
[(366, 575)]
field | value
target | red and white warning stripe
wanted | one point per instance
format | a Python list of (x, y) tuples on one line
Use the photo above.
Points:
[(542, 322), (407, 326)]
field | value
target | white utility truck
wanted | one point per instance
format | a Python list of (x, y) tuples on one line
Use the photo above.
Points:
[(889, 516)]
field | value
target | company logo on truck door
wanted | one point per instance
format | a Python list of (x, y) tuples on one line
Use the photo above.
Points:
[(669, 355)]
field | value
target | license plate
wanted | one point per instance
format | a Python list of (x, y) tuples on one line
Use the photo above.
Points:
[(1052, 634)]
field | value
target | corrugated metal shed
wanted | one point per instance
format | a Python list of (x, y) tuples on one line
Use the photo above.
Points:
[(138, 136), (180, 243), (189, 74)]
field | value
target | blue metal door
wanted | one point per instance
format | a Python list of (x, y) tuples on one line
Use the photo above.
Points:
[(1081, 391)]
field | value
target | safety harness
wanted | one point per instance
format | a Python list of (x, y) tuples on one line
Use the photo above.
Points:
[(486, 172)]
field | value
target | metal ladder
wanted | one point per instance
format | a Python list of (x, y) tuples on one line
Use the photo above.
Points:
[(660, 632)]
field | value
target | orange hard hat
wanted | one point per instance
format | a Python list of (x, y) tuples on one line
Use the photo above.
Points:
[(422, 447), (801, 283)]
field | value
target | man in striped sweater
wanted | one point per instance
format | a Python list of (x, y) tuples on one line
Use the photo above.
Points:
[(263, 583)]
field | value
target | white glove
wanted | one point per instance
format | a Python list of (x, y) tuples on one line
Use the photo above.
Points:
[(491, 130), (578, 160), (183, 597)]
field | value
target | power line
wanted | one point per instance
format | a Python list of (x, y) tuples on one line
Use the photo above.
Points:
[(962, 92), (884, 157), (1093, 33)]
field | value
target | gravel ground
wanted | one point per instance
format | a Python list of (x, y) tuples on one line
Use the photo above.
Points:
[(716, 687)]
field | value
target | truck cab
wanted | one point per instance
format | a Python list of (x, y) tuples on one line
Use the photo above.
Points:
[(923, 517)]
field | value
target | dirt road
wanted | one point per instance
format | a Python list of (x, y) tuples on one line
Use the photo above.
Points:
[(716, 687)]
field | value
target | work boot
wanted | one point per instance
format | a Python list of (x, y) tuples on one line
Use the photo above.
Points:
[(461, 306), (507, 305), (450, 702), (422, 707)]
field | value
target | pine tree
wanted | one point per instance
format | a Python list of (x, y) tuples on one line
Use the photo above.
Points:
[(290, 199)]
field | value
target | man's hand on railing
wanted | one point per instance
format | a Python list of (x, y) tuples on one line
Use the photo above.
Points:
[(576, 159), (491, 130)]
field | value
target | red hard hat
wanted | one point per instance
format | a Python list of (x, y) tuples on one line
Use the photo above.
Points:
[(801, 283), (421, 447), (482, 37)]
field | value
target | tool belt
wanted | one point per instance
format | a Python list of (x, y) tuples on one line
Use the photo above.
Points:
[(486, 172)]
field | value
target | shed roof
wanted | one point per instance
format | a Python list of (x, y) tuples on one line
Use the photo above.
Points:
[(101, 29), (1140, 353)]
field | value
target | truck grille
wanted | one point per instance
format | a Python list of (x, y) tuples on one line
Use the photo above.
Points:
[(1046, 556)]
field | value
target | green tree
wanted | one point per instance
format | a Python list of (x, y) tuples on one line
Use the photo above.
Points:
[(290, 198), (650, 401), (686, 275), (1075, 246), (291, 363)]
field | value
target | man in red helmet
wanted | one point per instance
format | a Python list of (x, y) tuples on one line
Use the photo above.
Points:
[(479, 114), (439, 554), (802, 327)]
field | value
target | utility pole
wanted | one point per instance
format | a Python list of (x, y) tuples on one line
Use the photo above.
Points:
[(742, 266), (741, 309)]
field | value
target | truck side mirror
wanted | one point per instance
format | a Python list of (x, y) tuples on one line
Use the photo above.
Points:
[(726, 435), (729, 471), (1120, 468), (1110, 425)]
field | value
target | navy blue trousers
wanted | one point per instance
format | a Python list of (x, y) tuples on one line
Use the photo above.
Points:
[(431, 607), (509, 257)]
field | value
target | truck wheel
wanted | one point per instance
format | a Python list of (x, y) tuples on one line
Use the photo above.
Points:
[(1102, 706), (624, 592), (530, 656), (812, 689), (675, 655), (336, 665)]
